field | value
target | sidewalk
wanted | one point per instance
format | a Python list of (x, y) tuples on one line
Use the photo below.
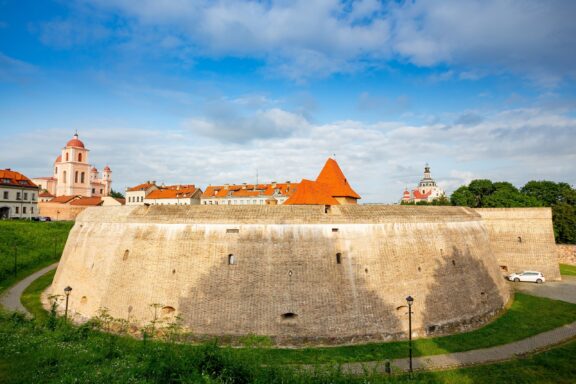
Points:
[(11, 298)]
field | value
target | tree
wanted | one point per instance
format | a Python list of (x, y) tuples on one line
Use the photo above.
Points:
[(116, 195), (550, 193), (462, 196), (507, 198), (564, 219), (480, 189)]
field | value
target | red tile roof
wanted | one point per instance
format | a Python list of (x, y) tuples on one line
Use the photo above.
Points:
[(15, 179), (311, 193), (173, 192), (88, 201), (332, 176), (45, 194), (419, 195), (250, 190), (63, 199), (141, 187)]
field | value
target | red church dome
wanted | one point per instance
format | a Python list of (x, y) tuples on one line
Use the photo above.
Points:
[(75, 142)]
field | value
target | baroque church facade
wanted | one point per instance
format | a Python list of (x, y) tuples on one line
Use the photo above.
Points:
[(427, 190), (73, 175)]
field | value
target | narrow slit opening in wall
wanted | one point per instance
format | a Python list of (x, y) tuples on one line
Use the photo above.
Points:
[(504, 268), (289, 316), (338, 258), (232, 230), (231, 259), (519, 239), (126, 253), (334, 229), (326, 208), (168, 310), (454, 262)]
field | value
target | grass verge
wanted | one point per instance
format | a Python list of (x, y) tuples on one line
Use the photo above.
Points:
[(31, 297), (30, 246), (527, 316), (33, 353), (568, 270)]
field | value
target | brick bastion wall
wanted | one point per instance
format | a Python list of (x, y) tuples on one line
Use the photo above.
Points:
[(566, 253), (291, 272), (523, 239)]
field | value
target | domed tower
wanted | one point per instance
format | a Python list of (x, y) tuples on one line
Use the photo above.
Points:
[(107, 180), (73, 170)]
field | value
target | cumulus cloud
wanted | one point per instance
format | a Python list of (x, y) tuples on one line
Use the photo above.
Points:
[(379, 159), (303, 39)]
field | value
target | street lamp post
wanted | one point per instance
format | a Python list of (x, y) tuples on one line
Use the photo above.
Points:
[(410, 301), (67, 291)]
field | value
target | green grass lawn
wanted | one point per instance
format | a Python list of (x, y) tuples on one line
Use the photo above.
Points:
[(568, 270), (35, 244), (33, 353), (527, 316), (31, 297)]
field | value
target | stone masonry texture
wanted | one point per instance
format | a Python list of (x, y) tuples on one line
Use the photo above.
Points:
[(296, 273)]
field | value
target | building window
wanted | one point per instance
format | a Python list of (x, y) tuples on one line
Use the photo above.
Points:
[(33, 196), (18, 196), (56, 170), (5, 195), (25, 196), (24, 210), (66, 156), (76, 176), (64, 177), (82, 178), (231, 258), (32, 210), (93, 190), (80, 157), (17, 209), (100, 190), (338, 258)]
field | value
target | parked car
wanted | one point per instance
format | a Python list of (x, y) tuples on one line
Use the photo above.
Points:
[(530, 276), (44, 218)]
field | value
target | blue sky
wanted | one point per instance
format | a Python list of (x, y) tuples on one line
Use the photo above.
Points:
[(211, 92)]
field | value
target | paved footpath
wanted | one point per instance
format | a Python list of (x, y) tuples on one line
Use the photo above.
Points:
[(564, 290), (11, 298)]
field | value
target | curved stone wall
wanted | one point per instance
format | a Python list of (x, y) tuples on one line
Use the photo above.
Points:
[(291, 272)]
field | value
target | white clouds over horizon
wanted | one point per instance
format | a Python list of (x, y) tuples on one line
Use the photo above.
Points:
[(379, 159), (303, 39)]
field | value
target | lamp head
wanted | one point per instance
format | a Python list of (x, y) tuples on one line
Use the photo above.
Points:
[(67, 290), (410, 300)]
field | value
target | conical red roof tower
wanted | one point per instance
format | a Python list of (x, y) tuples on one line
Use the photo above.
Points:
[(335, 182), (310, 193)]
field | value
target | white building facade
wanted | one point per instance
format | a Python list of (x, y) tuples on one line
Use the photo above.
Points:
[(18, 196)]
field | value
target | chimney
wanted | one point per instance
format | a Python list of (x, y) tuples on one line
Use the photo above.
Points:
[(226, 186), (273, 184), (243, 185)]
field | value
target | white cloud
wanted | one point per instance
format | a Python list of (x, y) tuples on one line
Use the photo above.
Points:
[(379, 159)]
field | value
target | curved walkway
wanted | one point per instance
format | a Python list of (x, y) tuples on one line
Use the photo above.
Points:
[(11, 301), (11, 298)]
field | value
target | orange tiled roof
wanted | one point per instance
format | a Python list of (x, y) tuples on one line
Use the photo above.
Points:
[(250, 190), (311, 193), (16, 179), (45, 194), (141, 187), (63, 199), (173, 192), (335, 181), (419, 195), (88, 201)]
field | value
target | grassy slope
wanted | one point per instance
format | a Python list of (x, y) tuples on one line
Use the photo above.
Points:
[(569, 270), (30, 353), (31, 296), (527, 316), (37, 245)]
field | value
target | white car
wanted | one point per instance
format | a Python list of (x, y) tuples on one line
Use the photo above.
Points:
[(530, 276)]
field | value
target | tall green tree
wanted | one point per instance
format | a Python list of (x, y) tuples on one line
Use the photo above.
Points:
[(462, 196)]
